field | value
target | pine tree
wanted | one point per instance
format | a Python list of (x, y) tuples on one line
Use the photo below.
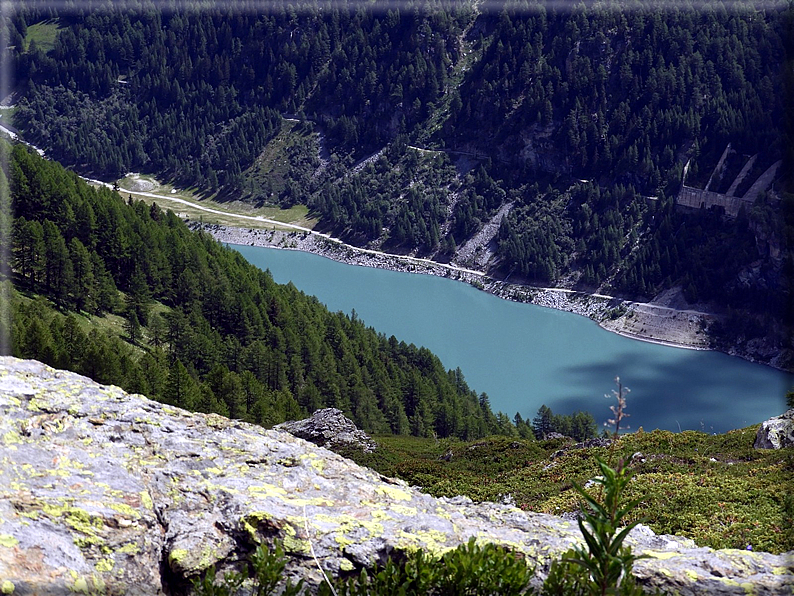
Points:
[(132, 326), (181, 390), (138, 296), (84, 283), (542, 422)]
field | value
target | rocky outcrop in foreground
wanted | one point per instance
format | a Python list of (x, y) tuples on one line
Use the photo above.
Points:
[(104, 492)]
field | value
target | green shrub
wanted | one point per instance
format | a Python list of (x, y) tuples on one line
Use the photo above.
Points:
[(566, 578), (468, 570), (268, 569), (490, 569), (208, 586)]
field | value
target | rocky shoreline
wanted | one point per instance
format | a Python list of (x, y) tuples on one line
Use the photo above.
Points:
[(655, 323), (582, 304)]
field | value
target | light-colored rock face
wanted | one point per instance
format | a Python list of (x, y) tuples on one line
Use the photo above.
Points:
[(329, 427), (103, 492), (777, 432)]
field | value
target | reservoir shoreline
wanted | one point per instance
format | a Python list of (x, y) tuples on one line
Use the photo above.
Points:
[(523, 357), (656, 322), (647, 322)]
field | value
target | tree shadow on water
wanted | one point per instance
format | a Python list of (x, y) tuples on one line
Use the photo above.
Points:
[(686, 391)]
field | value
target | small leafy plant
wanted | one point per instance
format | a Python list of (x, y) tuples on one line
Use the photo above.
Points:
[(604, 563), (207, 585), (607, 561), (268, 567)]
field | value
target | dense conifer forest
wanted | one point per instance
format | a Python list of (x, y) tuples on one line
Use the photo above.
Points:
[(127, 294), (202, 328), (579, 121)]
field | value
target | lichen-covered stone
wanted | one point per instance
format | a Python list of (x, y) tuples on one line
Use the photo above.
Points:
[(330, 428), (777, 432), (104, 492)]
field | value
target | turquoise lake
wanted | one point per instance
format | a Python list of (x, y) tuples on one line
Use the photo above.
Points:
[(524, 356)]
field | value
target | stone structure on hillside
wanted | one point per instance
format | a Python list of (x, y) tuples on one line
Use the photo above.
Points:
[(329, 428), (105, 492), (697, 198), (777, 432), (705, 198)]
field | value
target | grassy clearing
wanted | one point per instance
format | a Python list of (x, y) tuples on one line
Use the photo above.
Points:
[(715, 489), (116, 324), (107, 323), (186, 204), (290, 156), (7, 115), (43, 34), (141, 182)]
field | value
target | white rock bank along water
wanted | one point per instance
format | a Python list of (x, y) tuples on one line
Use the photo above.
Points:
[(104, 492)]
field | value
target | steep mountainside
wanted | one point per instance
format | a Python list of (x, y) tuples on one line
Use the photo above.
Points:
[(560, 146), (129, 295)]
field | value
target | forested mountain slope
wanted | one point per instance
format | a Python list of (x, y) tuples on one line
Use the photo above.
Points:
[(202, 328), (578, 124)]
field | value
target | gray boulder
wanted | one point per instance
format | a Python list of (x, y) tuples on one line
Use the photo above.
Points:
[(554, 435), (777, 432), (329, 428), (102, 492)]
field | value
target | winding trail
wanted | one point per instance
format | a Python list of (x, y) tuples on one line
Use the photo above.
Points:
[(379, 253), (260, 219)]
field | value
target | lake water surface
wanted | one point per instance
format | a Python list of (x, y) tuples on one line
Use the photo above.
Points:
[(524, 356)]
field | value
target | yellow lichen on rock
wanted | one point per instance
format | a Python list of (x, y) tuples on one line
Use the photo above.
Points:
[(344, 525), (397, 494), (11, 437), (176, 555), (251, 522), (662, 555), (129, 549), (146, 500), (125, 509), (403, 510), (427, 540), (80, 586), (8, 541), (748, 588), (268, 490)]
